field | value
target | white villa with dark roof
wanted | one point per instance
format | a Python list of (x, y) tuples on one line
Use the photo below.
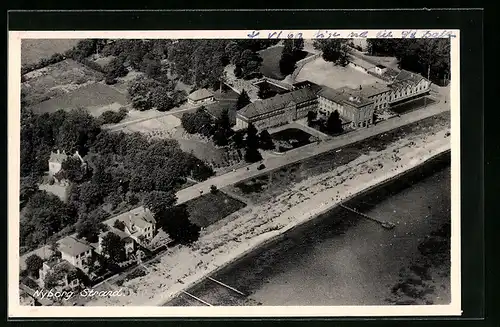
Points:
[(57, 158), (76, 251), (139, 224), (200, 96)]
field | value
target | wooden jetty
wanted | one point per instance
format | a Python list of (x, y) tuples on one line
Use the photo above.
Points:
[(197, 298), (384, 224), (226, 286)]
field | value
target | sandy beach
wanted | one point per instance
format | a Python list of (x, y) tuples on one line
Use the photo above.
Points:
[(250, 227)]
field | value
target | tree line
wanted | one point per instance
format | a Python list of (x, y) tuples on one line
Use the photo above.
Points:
[(424, 56)]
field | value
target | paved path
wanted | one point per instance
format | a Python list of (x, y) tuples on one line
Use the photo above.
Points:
[(307, 151), (120, 126)]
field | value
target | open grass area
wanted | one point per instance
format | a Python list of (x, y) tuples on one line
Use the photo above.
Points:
[(271, 61), (57, 80), (326, 73), (268, 185), (95, 97), (210, 208), (291, 138), (32, 50)]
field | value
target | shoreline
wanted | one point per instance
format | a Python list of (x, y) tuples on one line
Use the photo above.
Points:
[(313, 216), (249, 229)]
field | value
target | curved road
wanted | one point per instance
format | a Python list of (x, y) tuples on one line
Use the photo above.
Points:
[(309, 150)]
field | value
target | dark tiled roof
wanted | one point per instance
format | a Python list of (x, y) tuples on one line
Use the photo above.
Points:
[(277, 102), (408, 76), (73, 246), (373, 89)]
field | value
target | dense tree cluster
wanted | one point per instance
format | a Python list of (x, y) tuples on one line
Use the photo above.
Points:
[(290, 54), (146, 94), (175, 221), (417, 55), (334, 50), (243, 100), (334, 123), (43, 216), (198, 122), (113, 117), (123, 169)]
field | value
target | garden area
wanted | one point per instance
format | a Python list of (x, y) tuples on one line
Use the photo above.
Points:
[(291, 138), (211, 207), (271, 61)]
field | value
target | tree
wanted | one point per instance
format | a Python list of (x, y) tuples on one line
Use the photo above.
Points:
[(220, 138), (243, 100), (113, 248), (298, 45), (238, 72), (28, 187), (287, 61), (115, 69), (159, 201), (237, 139), (265, 140), (252, 155), (33, 264), (197, 122), (311, 116), (334, 123), (334, 50), (118, 224), (178, 226), (161, 99), (88, 225), (252, 139), (213, 189), (72, 169)]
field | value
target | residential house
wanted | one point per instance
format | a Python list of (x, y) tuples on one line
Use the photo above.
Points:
[(77, 252), (57, 158), (201, 96), (128, 242), (67, 273), (140, 225)]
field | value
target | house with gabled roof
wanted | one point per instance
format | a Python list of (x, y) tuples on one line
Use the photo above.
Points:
[(407, 85), (201, 96), (76, 251)]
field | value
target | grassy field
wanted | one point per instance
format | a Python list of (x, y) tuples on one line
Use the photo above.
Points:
[(326, 73), (271, 61), (264, 187), (57, 80), (96, 97), (32, 50), (210, 208)]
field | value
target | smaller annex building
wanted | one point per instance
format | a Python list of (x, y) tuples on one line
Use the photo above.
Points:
[(200, 96)]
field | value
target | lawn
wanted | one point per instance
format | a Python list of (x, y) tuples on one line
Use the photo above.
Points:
[(291, 138), (57, 80), (326, 73), (95, 96), (32, 50), (210, 208), (271, 61), (270, 184)]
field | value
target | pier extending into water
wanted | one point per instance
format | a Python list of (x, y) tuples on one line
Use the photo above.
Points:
[(384, 224)]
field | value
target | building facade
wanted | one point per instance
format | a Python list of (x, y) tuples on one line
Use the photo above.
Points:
[(278, 110), (140, 224), (77, 252), (406, 86), (355, 110)]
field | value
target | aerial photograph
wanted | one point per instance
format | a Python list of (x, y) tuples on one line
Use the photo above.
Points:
[(235, 172)]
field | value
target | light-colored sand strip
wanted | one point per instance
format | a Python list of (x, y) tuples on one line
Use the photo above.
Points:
[(250, 228)]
